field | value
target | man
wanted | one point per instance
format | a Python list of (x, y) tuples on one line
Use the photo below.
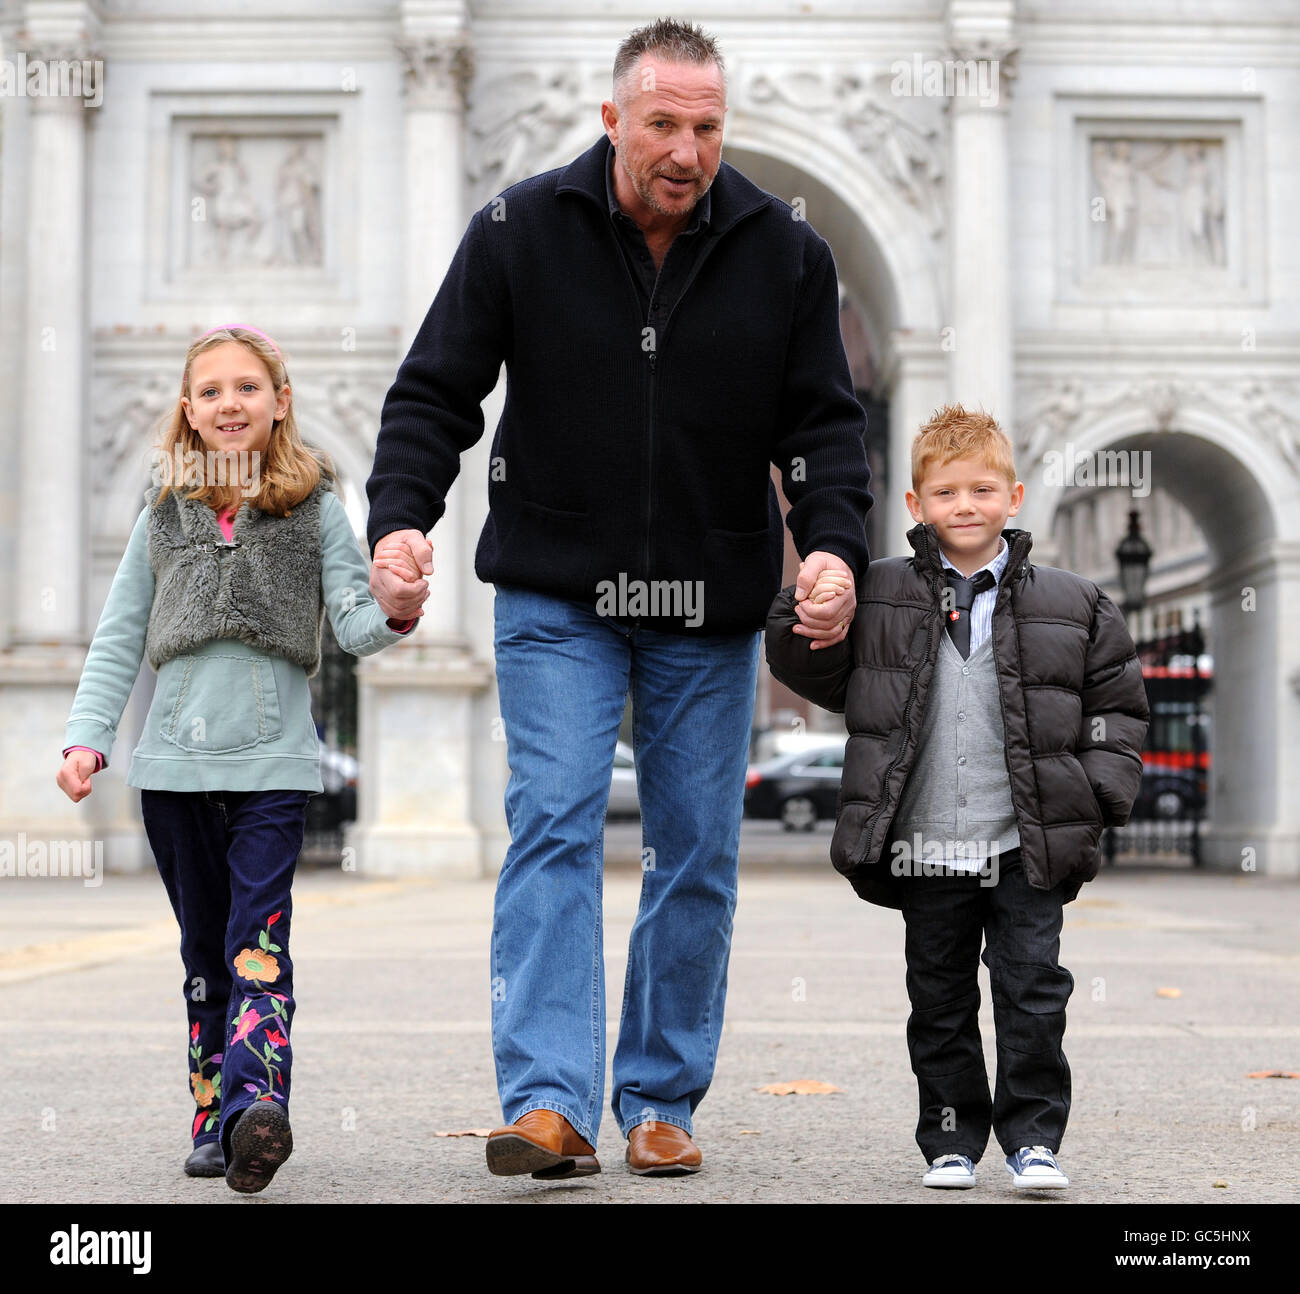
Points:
[(669, 331)]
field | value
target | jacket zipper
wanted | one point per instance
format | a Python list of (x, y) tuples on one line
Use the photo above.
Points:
[(1002, 708), (649, 462), (652, 386)]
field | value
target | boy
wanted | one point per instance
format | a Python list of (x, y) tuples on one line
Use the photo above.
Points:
[(996, 714)]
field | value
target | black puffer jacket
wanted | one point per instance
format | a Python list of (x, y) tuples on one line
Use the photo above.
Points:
[(1074, 709)]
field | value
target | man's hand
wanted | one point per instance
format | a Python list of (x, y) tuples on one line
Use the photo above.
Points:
[(824, 600), (395, 573), (74, 776)]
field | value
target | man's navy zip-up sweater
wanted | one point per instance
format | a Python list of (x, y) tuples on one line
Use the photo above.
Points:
[(627, 453)]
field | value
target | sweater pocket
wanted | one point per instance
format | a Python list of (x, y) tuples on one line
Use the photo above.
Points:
[(742, 573), (548, 547), (217, 704)]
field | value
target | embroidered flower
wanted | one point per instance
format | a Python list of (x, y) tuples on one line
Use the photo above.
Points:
[(245, 1025), (203, 1091), (276, 1038), (194, 1032), (259, 966)]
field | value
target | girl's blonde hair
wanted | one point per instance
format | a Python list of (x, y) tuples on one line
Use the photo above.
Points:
[(288, 470)]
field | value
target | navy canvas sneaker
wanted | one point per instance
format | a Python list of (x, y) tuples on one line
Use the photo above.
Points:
[(953, 1172), (1035, 1168)]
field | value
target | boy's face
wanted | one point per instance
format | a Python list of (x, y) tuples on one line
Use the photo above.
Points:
[(968, 504)]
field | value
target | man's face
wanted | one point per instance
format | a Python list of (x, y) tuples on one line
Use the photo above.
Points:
[(668, 134)]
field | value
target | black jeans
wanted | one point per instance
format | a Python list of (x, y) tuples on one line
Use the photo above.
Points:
[(946, 917)]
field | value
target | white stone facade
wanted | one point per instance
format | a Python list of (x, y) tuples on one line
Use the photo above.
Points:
[(1078, 213)]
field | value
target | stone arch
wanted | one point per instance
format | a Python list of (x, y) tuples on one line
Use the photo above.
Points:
[(1234, 485), (883, 255)]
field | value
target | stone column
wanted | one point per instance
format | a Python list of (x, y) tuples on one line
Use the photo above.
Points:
[(48, 610), (436, 74), (915, 377), (982, 355), (418, 728), (55, 57)]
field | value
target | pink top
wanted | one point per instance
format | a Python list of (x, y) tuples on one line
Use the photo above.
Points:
[(226, 520)]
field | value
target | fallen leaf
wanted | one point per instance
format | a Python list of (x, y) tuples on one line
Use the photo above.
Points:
[(1221, 1184), (466, 1132), (800, 1087), (1274, 1073), (1169, 992)]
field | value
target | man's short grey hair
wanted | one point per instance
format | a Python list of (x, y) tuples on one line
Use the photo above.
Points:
[(671, 40)]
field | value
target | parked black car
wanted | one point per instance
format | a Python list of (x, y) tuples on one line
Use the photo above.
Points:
[(1167, 794), (798, 788)]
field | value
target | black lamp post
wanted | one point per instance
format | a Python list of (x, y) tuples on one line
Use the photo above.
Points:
[(1133, 554), (1134, 557)]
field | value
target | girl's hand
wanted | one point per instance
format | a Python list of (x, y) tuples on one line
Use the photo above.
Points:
[(400, 562), (74, 776)]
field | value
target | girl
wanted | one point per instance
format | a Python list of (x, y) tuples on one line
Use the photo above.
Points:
[(225, 584)]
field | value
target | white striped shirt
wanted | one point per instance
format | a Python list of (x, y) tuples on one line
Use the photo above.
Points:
[(981, 612)]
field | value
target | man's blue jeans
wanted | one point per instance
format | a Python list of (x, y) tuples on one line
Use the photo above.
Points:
[(563, 674)]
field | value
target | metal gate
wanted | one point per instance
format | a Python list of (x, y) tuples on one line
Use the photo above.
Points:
[(1165, 825), (334, 707)]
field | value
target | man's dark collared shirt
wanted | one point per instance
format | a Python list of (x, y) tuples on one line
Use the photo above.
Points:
[(657, 289)]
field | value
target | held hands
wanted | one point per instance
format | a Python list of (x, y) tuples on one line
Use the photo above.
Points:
[(824, 600), (74, 776), (397, 573)]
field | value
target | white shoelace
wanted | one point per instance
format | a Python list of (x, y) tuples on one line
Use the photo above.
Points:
[(1042, 1154)]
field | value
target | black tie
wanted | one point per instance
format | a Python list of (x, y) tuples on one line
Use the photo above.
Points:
[(964, 591)]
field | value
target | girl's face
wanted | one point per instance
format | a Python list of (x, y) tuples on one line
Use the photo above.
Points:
[(232, 401)]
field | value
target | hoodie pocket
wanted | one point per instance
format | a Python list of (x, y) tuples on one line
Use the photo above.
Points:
[(218, 704)]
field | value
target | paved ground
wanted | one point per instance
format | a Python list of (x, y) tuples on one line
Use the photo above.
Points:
[(392, 1046)]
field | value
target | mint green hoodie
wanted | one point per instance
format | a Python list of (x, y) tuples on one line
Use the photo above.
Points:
[(252, 709)]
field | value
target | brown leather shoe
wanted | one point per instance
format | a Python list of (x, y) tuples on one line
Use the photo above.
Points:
[(661, 1149), (541, 1142)]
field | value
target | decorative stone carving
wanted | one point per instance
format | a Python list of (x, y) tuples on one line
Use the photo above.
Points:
[(1059, 408), (1162, 201), (906, 154), (229, 171), (134, 408), (437, 71), (517, 119)]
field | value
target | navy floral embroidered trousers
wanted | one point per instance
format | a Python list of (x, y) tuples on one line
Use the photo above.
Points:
[(227, 860)]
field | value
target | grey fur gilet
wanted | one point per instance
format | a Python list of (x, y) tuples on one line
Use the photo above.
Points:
[(266, 591)]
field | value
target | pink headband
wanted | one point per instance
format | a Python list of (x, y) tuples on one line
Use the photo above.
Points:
[(246, 328)]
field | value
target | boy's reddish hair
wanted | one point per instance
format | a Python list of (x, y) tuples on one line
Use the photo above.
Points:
[(955, 432)]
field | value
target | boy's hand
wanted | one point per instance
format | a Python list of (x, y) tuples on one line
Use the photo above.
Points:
[(824, 600), (397, 574), (74, 776)]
